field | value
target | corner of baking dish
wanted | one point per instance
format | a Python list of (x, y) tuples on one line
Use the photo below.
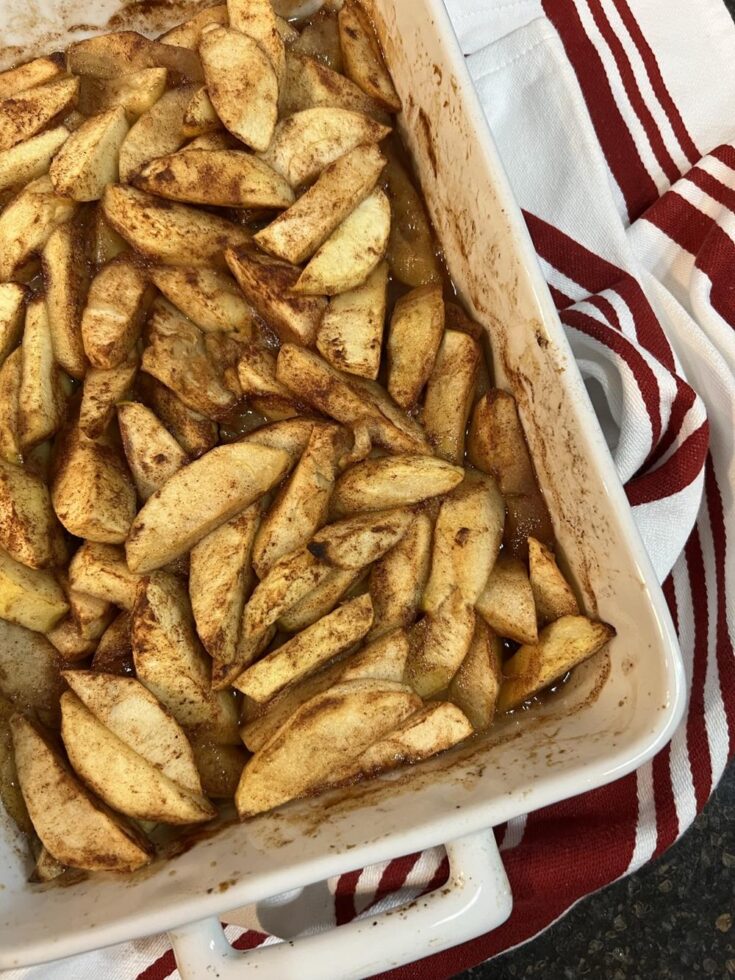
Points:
[(618, 709)]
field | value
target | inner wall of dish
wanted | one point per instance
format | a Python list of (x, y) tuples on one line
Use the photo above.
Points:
[(525, 761), (485, 258)]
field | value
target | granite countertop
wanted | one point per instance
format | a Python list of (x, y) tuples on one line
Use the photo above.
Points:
[(672, 920)]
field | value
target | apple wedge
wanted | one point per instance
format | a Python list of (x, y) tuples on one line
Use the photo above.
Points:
[(350, 335), (11, 796), (309, 84), (208, 297), (476, 684), (200, 497), (76, 636), (221, 140), (286, 583), (551, 592), (221, 178), (220, 767), (288, 31), (117, 303), (257, 382), (46, 868), (324, 733), (507, 602), (382, 660), (66, 276), (220, 579), (175, 354), (171, 662), (128, 709), (467, 537), (332, 392), (347, 399), (297, 233), (398, 579), (112, 55), (38, 462), (301, 507), (88, 161), (362, 446), (496, 444), (362, 58), (440, 645), (200, 117), (290, 435), (225, 351), (431, 730), (76, 829), (30, 597), (242, 84), (91, 615), (106, 243), (158, 131), (412, 252), (67, 640), (121, 777), (257, 19), (29, 673), (416, 331), (449, 393), (31, 74), (10, 382), (24, 114), (135, 92), (320, 601), (30, 159), (194, 433), (266, 284), (103, 389), (101, 570), (307, 651), (394, 481), (358, 541), (92, 493), (308, 141), (26, 224), (29, 530), (402, 432), (189, 33), (12, 316), (173, 234), (41, 399), (152, 453), (114, 653), (561, 646), (351, 252)]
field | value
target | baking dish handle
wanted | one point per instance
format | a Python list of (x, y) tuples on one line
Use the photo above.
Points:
[(475, 900)]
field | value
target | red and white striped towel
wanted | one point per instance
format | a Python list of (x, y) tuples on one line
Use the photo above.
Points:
[(615, 123)]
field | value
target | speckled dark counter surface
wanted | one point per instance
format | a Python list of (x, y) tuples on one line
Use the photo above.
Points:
[(673, 920)]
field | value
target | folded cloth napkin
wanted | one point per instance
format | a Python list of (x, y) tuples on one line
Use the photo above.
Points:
[(614, 123)]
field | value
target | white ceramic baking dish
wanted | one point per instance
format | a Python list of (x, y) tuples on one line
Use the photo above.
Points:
[(616, 712)]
